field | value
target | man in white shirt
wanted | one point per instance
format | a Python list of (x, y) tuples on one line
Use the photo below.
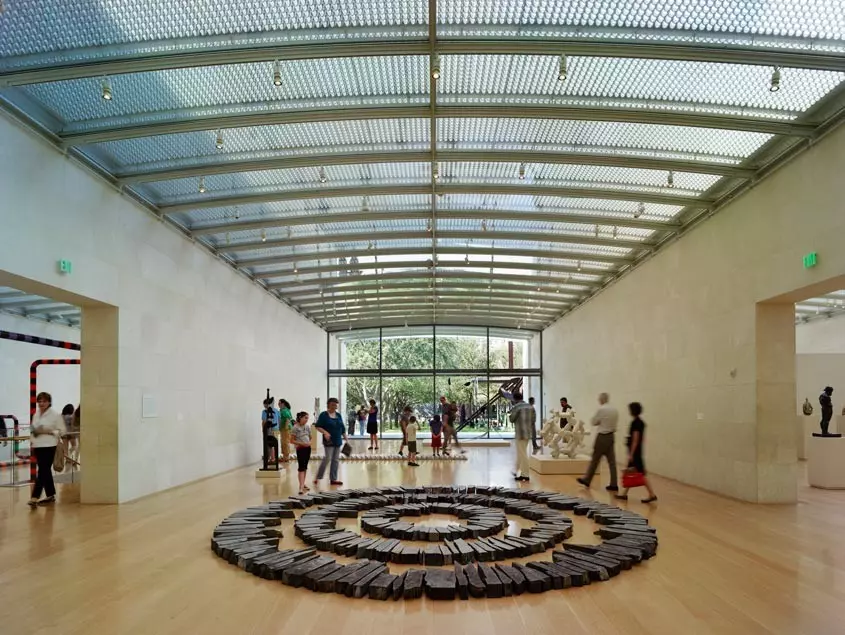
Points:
[(47, 428), (605, 421)]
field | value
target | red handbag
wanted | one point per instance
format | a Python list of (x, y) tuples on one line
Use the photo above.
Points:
[(633, 478)]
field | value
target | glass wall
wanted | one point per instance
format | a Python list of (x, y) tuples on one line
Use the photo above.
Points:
[(415, 366)]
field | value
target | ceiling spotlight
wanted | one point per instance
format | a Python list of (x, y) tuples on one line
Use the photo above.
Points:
[(227, 238), (435, 65), (219, 143), (615, 231), (562, 69), (295, 268), (597, 231), (484, 225), (522, 171), (201, 187), (774, 86), (435, 171), (106, 89), (466, 259), (263, 235), (579, 265), (323, 177), (237, 213), (370, 245), (428, 225), (277, 73), (640, 210), (365, 205)]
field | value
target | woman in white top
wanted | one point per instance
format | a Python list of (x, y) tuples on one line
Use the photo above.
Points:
[(47, 428)]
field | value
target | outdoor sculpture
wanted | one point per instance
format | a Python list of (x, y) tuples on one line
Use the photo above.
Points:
[(568, 440)]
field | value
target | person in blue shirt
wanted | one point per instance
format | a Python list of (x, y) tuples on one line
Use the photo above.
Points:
[(330, 425), (272, 429)]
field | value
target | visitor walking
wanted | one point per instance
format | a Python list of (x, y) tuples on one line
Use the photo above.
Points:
[(285, 422), (827, 408), (372, 425), (605, 421), (636, 437), (520, 417), (411, 435), (448, 413), (330, 425), (47, 428), (404, 419), (72, 438), (362, 421), (301, 435), (534, 447), (436, 435), (564, 408)]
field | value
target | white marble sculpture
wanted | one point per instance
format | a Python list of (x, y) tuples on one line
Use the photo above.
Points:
[(567, 441)]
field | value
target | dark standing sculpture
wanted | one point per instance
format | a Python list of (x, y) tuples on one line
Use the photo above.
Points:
[(827, 409)]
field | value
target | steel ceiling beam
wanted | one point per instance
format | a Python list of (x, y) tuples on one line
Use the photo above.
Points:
[(604, 159), (416, 264), (479, 303), (320, 218), (392, 296), (334, 283), (312, 256), (502, 111), (330, 292), (518, 313), (614, 194), (628, 43), (460, 236), (387, 321)]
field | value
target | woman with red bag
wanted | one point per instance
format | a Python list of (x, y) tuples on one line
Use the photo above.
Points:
[(635, 474)]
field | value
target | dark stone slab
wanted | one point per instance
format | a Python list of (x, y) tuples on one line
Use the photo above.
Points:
[(477, 588), (344, 585), (635, 555), (596, 572), (646, 549), (535, 581), (382, 587), (624, 561), (312, 577), (516, 578), (440, 584), (255, 566), (465, 552), (327, 583), (411, 555), (366, 549), (399, 586), (295, 576), (613, 567), (461, 583), (432, 556), (360, 587), (413, 587), (447, 555), (383, 551), (277, 569), (557, 577), (492, 583)]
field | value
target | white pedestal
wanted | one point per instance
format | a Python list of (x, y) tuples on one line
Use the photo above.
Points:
[(483, 443), (545, 464), (826, 462), (809, 425), (269, 474)]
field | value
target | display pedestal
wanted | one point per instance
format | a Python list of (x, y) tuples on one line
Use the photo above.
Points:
[(545, 464), (268, 474), (826, 462), (808, 426)]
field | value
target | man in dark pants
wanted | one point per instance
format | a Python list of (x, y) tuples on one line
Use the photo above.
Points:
[(604, 421), (564, 407), (827, 408)]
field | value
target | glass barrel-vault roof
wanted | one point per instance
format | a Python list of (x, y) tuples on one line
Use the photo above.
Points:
[(306, 142)]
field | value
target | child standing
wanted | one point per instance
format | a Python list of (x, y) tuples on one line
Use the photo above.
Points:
[(301, 434), (436, 435), (411, 430)]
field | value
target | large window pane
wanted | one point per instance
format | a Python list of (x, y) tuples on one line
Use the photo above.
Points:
[(408, 348), (356, 394), (398, 392), (359, 350), (510, 349), (460, 348)]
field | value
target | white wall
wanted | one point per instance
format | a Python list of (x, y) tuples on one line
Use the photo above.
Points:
[(62, 382), (681, 333), (820, 361), (191, 332)]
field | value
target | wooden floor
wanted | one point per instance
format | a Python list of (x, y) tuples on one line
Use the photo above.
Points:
[(146, 567)]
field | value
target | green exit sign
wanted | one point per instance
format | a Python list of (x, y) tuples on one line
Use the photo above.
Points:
[(65, 266), (810, 260)]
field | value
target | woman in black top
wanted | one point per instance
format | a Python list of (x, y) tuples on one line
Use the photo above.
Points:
[(636, 435), (372, 425)]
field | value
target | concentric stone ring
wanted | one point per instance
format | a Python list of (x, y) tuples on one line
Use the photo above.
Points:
[(250, 539)]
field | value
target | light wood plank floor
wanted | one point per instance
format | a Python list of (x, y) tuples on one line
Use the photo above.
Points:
[(146, 567)]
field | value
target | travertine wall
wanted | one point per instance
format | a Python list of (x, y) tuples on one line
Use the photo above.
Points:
[(160, 318), (684, 335)]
